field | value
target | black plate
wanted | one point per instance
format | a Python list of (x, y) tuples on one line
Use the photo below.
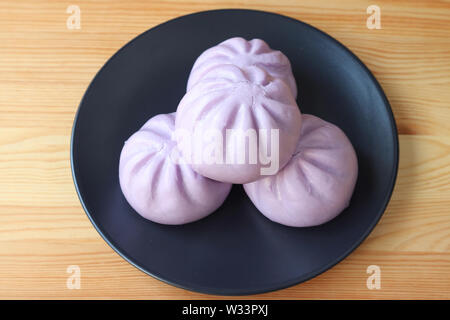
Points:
[(236, 250)]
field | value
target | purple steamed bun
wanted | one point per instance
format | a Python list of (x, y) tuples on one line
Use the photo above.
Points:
[(316, 184), (158, 184), (233, 100), (241, 53)]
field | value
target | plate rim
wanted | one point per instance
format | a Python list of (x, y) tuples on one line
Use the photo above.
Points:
[(284, 284)]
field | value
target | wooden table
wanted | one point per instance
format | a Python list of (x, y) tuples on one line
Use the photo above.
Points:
[(45, 69)]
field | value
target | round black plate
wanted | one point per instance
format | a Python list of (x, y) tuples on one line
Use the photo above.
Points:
[(236, 250)]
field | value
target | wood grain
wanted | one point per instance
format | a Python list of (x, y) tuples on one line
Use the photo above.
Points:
[(45, 69)]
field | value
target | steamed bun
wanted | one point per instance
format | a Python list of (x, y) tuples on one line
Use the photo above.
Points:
[(316, 184), (158, 184), (241, 53), (237, 113)]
